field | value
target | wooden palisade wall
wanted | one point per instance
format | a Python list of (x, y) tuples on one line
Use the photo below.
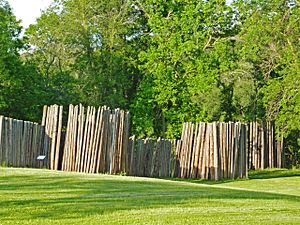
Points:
[(150, 158), (265, 151), (52, 122), (212, 151), (97, 141), (21, 142)]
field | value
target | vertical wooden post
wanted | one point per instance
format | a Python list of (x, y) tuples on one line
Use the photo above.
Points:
[(241, 163), (53, 137), (89, 126), (250, 151), (188, 150), (84, 139), (259, 146), (246, 151), (29, 152), (45, 138), (58, 136), (263, 131), (255, 143), (211, 153), (183, 149), (132, 155), (6, 134), (101, 141), (18, 141), (184, 152), (80, 135), (177, 158), (39, 164), (73, 141), (156, 156), (10, 142), (216, 151), (90, 136), (201, 164), (232, 148), (194, 155), (235, 150), (66, 154), (125, 156), (205, 165), (12, 137), (224, 150), (197, 151), (1, 140), (32, 149), (95, 143), (280, 152), (45, 109), (222, 141), (271, 153), (106, 140), (23, 144)]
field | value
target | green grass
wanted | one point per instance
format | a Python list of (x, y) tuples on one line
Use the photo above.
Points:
[(31, 196)]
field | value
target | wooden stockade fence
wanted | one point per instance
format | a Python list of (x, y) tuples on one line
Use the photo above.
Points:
[(95, 140), (21, 142), (52, 122), (265, 151), (212, 151), (150, 158)]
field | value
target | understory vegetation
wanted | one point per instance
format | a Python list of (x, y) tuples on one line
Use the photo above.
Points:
[(167, 62)]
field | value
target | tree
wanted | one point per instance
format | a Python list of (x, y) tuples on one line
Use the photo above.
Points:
[(187, 63), (270, 36), (91, 45), (18, 93)]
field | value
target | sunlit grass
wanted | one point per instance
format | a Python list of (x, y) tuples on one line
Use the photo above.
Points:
[(30, 196)]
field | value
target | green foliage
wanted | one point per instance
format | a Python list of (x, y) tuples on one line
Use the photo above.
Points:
[(18, 81), (9, 44), (88, 44), (193, 66), (270, 37)]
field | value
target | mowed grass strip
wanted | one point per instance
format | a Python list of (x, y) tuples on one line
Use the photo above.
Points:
[(32, 196)]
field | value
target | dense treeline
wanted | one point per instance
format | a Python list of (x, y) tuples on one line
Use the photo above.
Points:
[(166, 61)]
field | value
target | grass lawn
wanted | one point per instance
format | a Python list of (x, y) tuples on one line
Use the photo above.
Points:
[(31, 196)]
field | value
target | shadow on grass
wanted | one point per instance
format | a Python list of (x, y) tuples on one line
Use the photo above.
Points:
[(253, 174), (68, 196), (273, 173), (201, 181)]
